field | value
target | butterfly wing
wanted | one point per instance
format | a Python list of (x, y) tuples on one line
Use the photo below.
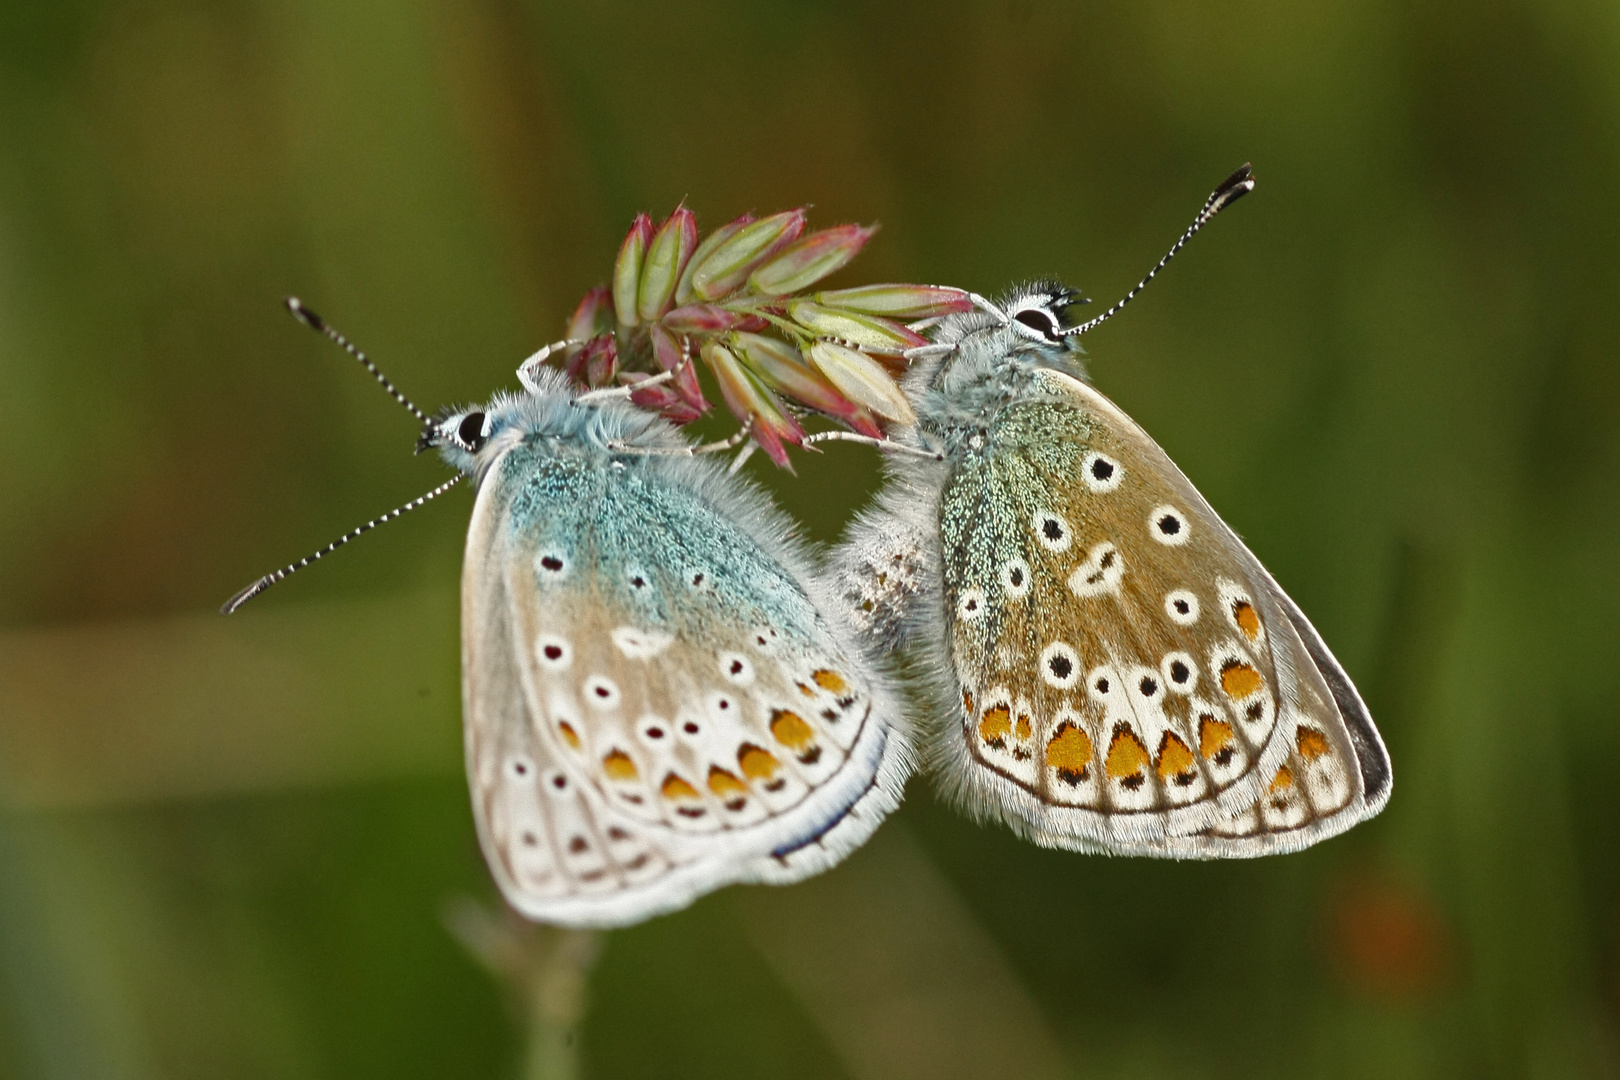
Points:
[(1127, 676), (655, 703)]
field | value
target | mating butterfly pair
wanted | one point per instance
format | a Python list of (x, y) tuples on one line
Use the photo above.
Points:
[(665, 693)]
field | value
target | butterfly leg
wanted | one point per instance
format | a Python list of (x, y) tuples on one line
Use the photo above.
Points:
[(608, 393), (619, 447), (888, 445), (526, 370)]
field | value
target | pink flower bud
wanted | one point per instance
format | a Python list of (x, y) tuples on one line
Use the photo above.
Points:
[(627, 269), (600, 357), (591, 317), (667, 351), (728, 265), (683, 291), (780, 367), (751, 402), (703, 319), (868, 331), (655, 398), (861, 379), (806, 261), (904, 302), (667, 253), (864, 423)]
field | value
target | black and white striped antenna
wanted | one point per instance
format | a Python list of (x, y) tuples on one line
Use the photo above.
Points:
[(1232, 189), (318, 324), (315, 322)]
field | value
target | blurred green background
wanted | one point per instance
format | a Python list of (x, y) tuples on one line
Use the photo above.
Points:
[(227, 846)]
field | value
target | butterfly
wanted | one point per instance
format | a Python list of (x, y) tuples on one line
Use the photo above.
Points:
[(1108, 667), (659, 698)]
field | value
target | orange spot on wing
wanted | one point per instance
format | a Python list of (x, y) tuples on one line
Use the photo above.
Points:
[(1024, 728), (791, 730), (756, 762), (1069, 752), (1282, 781), (725, 784), (1175, 760), (830, 680), (996, 724), (1214, 736), (967, 702), (619, 766), (676, 788), (570, 736), (1312, 744), (1238, 679), (1126, 754), (1248, 620)]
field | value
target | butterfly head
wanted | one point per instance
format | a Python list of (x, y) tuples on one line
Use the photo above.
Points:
[(1038, 312), (997, 347)]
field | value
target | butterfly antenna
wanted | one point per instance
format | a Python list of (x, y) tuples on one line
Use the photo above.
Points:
[(268, 580), (1232, 189), (316, 323)]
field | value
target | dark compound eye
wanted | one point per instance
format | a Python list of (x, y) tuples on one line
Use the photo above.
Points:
[(470, 431), (1039, 321)]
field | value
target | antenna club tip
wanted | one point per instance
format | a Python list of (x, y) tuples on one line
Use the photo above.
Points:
[(234, 604), (304, 315), (1233, 188)]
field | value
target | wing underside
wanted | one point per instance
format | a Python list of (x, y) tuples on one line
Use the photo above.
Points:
[(1125, 675)]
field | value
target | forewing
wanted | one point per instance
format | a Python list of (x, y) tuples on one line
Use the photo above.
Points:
[(1131, 679), (656, 704)]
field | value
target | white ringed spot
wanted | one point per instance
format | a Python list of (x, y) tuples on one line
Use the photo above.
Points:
[(1169, 526), (555, 783), (1015, 579), (550, 566), (971, 606), (724, 706), (1102, 683), (1060, 665), (689, 727), (1182, 607), (653, 731), (1100, 472), (736, 668), (1180, 672), (1147, 684), (601, 692), (520, 769), (1052, 530)]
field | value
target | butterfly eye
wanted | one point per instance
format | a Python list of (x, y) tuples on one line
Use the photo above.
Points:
[(1039, 321), (471, 431)]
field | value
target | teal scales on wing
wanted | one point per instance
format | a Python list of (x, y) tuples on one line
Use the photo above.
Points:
[(656, 703), (1109, 667)]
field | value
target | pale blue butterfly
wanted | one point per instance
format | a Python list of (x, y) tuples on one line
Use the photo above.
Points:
[(1109, 667), (657, 698)]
